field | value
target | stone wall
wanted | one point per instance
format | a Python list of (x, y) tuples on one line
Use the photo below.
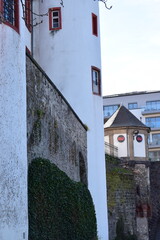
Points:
[(141, 173), (54, 131), (121, 197), (154, 221), (128, 198)]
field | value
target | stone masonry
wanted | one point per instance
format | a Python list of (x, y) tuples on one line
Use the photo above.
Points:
[(154, 220), (54, 131)]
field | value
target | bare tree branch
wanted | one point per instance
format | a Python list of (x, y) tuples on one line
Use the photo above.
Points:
[(62, 3), (105, 3), (26, 8)]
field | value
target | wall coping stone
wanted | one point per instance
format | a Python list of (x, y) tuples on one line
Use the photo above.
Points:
[(54, 86)]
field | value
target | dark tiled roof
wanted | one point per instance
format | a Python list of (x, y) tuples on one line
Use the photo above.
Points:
[(124, 118)]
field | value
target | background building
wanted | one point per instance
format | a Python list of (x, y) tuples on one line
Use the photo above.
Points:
[(146, 107), (131, 202)]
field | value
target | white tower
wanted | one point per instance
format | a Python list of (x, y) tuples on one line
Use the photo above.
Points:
[(67, 47), (13, 153)]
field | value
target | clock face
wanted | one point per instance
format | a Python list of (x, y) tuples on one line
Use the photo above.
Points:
[(120, 138), (139, 138)]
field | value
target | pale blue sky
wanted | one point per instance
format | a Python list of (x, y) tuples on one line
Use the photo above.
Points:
[(130, 44)]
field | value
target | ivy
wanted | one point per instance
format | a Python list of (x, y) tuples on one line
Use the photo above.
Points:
[(59, 208)]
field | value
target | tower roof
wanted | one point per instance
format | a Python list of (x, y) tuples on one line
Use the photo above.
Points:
[(123, 118)]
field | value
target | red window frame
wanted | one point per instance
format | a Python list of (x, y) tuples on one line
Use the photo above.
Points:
[(94, 25), (51, 10), (99, 81), (15, 25), (28, 14)]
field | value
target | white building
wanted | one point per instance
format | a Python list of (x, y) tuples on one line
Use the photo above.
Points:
[(14, 37), (145, 106), (66, 44)]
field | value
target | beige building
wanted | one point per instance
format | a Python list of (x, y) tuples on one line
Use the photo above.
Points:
[(146, 107)]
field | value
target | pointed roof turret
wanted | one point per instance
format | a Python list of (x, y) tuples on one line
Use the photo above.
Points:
[(123, 118)]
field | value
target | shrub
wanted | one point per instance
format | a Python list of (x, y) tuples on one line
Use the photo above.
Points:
[(59, 208)]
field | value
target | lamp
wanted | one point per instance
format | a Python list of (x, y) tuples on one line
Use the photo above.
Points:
[(135, 133)]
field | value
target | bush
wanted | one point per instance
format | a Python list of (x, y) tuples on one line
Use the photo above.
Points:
[(59, 208)]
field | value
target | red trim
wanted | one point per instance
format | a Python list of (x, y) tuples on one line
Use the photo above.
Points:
[(139, 138), (16, 14), (50, 18), (99, 80), (28, 14), (1, 8), (28, 51), (94, 25), (121, 138)]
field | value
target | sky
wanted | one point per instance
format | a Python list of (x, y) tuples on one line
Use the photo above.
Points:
[(130, 46)]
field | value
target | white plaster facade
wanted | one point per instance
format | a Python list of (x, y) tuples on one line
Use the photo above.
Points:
[(139, 147), (13, 148), (122, 146), (66, 55)]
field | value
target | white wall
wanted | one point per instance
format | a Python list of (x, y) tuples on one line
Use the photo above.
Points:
[(13, 151), (122, 146), (66, 56), (139, 147), (138, 114)]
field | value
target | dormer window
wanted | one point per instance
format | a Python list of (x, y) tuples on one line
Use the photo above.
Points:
[(10, 13), (55, 19)]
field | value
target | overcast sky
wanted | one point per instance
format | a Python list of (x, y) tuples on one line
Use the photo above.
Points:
[(130, 44)]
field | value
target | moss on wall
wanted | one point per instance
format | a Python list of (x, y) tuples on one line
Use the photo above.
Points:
[(59, 208), (118, 179), (121, 199)]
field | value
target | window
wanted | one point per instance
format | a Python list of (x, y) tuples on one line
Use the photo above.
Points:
[(156, 139), (132, 105), (109, 110), (96, 82), (28, 14), (153, 122), (10, 13), (94, 25), (153, 105), (55, 19), (154, 155)]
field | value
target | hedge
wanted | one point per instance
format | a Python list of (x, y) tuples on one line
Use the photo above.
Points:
[(59, 208)]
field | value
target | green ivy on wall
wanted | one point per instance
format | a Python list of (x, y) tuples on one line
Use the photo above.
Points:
[(59, 208)]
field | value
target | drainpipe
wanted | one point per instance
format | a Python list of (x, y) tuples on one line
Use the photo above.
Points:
[(32, 27)]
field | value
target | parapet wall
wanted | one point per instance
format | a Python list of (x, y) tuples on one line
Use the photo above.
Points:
[(121, 198), (54, 131), (128, 199)]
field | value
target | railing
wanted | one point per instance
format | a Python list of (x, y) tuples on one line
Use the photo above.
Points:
[(154, 159), (110, 149), (154, 144)]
